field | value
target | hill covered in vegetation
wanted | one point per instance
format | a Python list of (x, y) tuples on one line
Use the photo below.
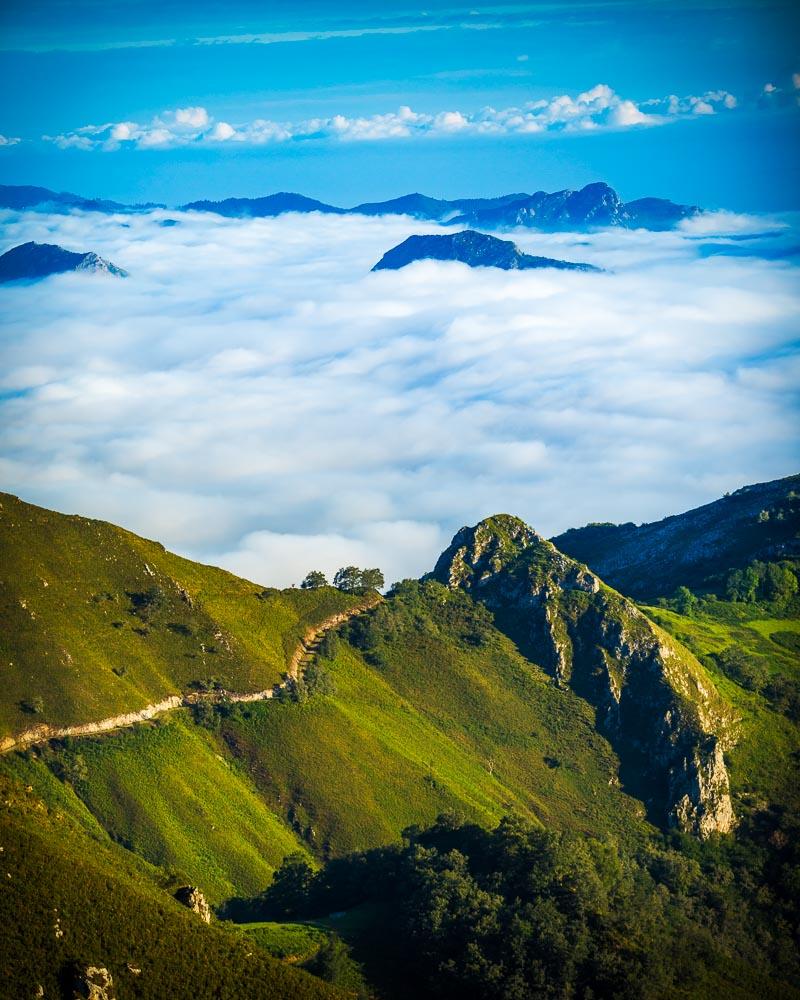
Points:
[(508, 770)]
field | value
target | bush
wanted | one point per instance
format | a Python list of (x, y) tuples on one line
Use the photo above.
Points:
[(743, 669)]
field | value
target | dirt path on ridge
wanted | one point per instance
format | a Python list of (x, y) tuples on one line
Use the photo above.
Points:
[(303, 654)]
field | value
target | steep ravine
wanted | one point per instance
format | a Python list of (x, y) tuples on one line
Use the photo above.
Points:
[(653, 700), (302, 653)]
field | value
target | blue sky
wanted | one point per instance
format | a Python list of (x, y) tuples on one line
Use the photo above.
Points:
[(175, 101)]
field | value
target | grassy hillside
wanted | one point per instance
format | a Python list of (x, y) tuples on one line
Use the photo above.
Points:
[(755, 664), (433, 709), (69, 902), (97, 621), (167, 793)]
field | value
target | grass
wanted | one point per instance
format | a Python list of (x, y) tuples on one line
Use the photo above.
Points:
[(764, 761), (168, 793), (98, 621), (291, 942), (430, 723), (69, 902)]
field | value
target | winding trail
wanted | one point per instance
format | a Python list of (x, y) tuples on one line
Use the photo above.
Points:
[(303, 654)]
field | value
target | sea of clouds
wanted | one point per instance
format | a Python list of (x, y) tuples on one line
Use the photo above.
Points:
[(254, 397)]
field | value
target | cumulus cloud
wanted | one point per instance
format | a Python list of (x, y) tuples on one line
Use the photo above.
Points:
[(253, 396), (7, 140), (597, 108)]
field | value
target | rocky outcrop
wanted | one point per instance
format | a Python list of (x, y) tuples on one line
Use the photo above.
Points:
[(653, 699), (193, 898), (93, 982), (701, 794)]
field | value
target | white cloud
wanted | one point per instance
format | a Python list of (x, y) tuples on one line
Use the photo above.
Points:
[(7, 140), (192, 117), (222, 131), (594, 109), (252, 395), (626, 113)]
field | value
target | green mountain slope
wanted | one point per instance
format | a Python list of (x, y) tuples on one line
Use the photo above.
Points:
[(433, 709), (511, 681), (168, 793), (69, 903), (98, 621)]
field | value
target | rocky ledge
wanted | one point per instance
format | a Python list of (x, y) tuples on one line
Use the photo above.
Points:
[(654, 701)]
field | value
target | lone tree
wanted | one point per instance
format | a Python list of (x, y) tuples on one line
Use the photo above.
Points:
[(314, 580), (357, 581), (372, 579), (348, 578)]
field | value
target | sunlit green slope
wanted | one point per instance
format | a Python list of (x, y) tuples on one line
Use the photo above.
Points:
[(433, 709), (98, 622)]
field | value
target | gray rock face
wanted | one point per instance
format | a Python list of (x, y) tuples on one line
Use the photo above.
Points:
[(468, 247), (654, 701), (193, 898), (93, 983)]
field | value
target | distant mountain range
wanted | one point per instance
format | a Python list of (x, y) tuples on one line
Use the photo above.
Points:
[(595, 205), (20, 197), (31, 261), (469, 247)]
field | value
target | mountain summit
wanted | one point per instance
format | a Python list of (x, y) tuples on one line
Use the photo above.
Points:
[(469, 247), (31, 261), (596, 205), (653, 699)]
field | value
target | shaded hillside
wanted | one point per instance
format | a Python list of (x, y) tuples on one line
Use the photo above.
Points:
[(72, 901), (697, 549)]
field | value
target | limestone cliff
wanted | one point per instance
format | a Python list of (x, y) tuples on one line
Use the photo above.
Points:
[(653, 699)]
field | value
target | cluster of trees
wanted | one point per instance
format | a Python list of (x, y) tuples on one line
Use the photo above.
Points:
[(760, 581), (350, 579), (519, 912), (752, 673)]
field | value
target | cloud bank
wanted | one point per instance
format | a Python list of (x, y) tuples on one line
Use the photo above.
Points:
[(599, 108), (254, 397)]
